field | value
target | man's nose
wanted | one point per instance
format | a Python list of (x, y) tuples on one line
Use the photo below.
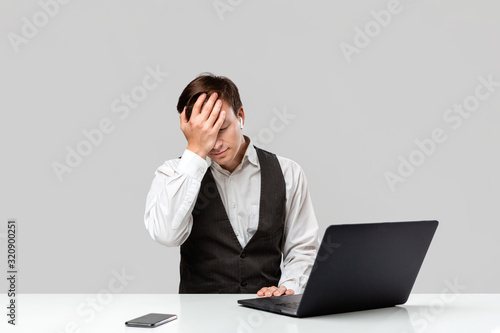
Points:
[(218, 144)]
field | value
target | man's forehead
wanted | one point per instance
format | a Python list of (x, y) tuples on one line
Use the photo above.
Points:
[(226, 106), (230, 117)]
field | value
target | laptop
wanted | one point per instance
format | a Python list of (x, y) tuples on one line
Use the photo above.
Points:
[(358, 267)]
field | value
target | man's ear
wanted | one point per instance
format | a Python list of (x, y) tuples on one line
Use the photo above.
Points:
[(241, 114)]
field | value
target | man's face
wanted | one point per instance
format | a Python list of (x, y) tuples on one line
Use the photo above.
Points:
[(229, 147)]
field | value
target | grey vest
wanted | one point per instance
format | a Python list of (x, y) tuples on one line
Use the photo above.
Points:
[(212, 259)]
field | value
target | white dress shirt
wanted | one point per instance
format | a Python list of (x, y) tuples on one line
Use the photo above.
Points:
[(175, 188)]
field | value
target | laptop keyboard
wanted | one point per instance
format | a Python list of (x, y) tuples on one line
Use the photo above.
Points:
[(291, 305)]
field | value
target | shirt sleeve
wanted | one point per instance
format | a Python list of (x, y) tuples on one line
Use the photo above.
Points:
[(300, 244), (172, 197)]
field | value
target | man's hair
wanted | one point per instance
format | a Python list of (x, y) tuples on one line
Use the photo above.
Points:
[(209, 83)]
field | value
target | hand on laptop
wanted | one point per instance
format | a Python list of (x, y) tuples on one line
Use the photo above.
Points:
[(274, 291)]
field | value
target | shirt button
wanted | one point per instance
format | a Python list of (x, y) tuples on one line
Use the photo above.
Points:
[(201, 170), (236, 233), (230, 177), (234, 204), (188, 200), (243, 284)]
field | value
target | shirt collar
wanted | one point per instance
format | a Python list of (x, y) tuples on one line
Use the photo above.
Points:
[(251, 153)]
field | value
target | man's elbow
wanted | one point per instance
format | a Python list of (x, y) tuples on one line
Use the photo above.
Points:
[(161, 235), (166, 240)]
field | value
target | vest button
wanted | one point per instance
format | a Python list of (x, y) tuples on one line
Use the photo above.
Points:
[(243, 255), (243, 284)]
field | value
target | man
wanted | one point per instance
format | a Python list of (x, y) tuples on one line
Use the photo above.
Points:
[(234, 209)]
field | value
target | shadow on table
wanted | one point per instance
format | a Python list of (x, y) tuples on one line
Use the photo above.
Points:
[(388, 320), (232, 317)]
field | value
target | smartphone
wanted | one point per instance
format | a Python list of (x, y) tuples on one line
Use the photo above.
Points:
[(151, 320)]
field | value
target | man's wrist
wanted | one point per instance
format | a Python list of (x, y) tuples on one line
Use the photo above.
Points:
[(192, 165), (197, 151)]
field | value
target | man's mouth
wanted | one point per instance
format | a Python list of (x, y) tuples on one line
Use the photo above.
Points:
[(217, 154)]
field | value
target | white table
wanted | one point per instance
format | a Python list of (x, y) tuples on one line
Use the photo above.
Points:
[(57, 313)]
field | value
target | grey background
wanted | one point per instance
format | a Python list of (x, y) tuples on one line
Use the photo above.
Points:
[(351, 122)]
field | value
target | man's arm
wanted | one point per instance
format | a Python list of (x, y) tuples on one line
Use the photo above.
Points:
[(175, 188), (300, 241), (172, 197)]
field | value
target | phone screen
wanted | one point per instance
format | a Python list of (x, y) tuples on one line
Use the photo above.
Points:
[(151, 320)]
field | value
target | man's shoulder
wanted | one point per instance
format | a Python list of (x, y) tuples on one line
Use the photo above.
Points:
[(292, 172), (287, 164)]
